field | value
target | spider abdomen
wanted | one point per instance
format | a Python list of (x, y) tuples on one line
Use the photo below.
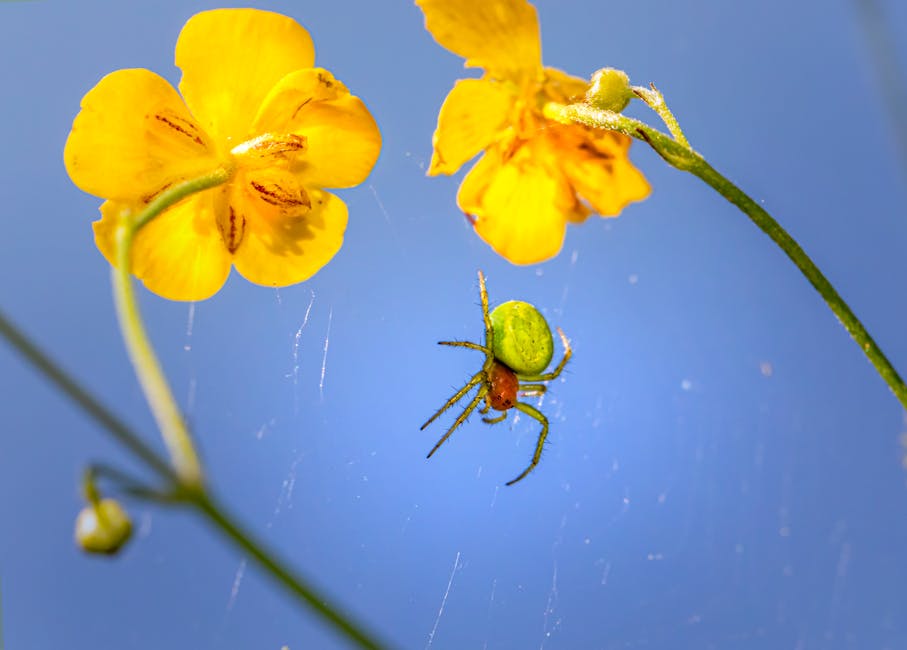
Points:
[(502, 387), (522, 338)]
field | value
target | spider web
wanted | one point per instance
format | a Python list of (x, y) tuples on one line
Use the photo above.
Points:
[(723, 468), (650, 503)]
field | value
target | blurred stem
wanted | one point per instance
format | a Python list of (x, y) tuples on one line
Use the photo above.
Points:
[(217, 516), (191, 497), (123, 483), (683, 157), (890, 77), (89, 489), (157, 391), (91, 405), (189, 484)]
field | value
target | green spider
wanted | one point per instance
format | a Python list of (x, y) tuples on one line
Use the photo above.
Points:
[(518, 347)]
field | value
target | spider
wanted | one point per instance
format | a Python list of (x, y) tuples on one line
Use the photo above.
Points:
[(518, 347)]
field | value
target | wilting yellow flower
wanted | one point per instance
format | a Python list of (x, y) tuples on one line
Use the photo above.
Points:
[(536, 175), (251, 102)]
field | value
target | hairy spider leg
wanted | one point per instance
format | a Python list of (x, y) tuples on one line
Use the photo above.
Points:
[(528, 390), (483, 294), (548, 376), (476, 379), (465, 414), (500, 418), (466, 344), (537, 456)]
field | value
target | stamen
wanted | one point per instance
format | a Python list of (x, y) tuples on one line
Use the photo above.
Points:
[(286, 200), (167, 128), (270, 148), (232, 226)]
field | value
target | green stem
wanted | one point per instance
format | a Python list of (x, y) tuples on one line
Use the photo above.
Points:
[(92, 406), (124, 483), (169, 418), (189, 495), (684, 158), (656, 101), (160, 399), (293, 582), (89, 489)]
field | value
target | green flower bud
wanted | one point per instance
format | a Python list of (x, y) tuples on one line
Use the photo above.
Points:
[(103, 527), (609, 90)]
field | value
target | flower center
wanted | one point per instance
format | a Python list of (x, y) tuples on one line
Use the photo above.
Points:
[(266, 186)]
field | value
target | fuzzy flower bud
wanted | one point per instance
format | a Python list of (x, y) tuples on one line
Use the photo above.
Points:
[(609, 90), (103, 527)]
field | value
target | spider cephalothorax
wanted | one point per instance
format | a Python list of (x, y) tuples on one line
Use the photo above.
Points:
[(518, 347)]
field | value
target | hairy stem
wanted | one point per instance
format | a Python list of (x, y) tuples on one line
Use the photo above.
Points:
[(656, 101), (685, 158)]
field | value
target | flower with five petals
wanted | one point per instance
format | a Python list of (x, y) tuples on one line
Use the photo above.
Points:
[(536, 175), (251, 102)]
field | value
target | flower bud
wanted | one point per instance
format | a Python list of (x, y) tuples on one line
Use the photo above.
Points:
[(103, 527), (609, 90)]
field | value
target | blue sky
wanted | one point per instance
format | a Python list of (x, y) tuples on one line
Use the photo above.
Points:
[(724, 467)]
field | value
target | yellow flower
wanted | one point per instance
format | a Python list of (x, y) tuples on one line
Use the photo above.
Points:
[(536, 175), (252, 103)]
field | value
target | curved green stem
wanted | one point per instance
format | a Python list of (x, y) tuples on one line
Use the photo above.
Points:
[(122, 483), (189, 483), (163, 406), (685, 158), (656, 101), (191, 495)]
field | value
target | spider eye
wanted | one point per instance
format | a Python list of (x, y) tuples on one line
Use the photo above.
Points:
[(522, 338)]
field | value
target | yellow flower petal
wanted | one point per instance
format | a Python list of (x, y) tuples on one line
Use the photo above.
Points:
[(342, 139), (470, 118), (133, 136), (521, 203), (279, 252), (179, 255), (598, 168), (230, 59), (562, 87), (501, 36)]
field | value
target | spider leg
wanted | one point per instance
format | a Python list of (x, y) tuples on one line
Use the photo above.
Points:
[(465, 414), (485, 408), (465, 344), (476, 378), (533, 413), (548, 376), (532, 389), (500, 418), (483, 294)]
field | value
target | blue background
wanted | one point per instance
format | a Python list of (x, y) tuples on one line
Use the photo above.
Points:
[(724, 467)]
